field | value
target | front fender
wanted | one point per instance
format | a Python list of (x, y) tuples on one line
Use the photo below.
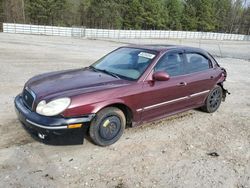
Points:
[(92, 108), (101, 105)]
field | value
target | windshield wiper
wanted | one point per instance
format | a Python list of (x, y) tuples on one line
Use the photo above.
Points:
[(105, 71), (94, 69), (109, 73)]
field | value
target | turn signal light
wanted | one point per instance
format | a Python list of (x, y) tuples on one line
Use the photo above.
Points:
[(73, 126)]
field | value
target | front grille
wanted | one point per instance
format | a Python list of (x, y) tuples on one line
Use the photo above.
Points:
[(28, 98)]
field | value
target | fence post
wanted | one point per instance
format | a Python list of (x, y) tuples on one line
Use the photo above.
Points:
[(52, 30), (84, 31), (220, 50)]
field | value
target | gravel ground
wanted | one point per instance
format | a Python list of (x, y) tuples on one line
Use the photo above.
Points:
[(169, 153)]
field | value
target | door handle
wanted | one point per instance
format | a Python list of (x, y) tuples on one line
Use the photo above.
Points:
[(182, 84)]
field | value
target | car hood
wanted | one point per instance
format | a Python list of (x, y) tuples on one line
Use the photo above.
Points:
[(72, 82)]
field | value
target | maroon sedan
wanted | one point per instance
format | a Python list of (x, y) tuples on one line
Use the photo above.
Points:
[(129, 86)]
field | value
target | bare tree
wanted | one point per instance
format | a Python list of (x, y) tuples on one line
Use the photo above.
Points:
[(14, 11)]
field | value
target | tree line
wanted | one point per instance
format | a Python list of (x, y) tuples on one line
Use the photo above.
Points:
[(228, 16)]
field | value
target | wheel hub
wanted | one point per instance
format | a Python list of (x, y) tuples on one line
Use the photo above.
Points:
[(110, 127), (215, 99)]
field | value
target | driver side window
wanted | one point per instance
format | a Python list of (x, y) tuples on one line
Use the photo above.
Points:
[(171, 63)]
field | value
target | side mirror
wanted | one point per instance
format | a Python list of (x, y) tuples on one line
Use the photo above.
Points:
[(161, 76)]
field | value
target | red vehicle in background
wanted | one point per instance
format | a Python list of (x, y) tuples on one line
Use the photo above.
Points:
[(129, 86)]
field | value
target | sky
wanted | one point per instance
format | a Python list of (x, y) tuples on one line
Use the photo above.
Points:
[(247, 2)]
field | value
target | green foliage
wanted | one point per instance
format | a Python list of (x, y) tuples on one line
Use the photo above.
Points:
[(1, 11), (103, 13), (175, 9), (133, 15), (222, 14), (205, 13), (193, 15), (153, 15), (245, 22), (1, 15), (199, 15), (46, 11), (189, 18)]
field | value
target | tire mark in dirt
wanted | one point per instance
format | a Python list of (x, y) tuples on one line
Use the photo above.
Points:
[(15, 134)]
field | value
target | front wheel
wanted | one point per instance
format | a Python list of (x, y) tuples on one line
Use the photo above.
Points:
[(108, 126), (213, 100)]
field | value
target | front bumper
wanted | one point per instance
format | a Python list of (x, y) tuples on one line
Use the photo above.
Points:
[(44, 124)]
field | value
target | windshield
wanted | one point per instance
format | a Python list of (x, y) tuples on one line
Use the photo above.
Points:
[(127, 63)]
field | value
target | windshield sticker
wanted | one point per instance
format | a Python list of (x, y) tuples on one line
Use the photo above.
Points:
[(146, 55)]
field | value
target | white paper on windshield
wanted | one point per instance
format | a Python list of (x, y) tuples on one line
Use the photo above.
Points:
[(146, 55)]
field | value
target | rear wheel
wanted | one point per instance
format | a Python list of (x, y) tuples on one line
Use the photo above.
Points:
[(213, 100), (108, 126)]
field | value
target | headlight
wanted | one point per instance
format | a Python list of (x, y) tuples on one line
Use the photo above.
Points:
[(54, 107)]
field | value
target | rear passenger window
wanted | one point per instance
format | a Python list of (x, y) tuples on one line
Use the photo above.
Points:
[(196, 63), (171, 64)]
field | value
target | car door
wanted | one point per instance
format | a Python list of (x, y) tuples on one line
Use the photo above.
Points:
[(165, 97), (201, 76)]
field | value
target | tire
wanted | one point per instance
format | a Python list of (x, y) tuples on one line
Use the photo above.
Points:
[(108, 126), (213, 100)]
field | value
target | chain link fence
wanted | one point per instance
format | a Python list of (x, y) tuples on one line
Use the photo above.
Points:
[(117, 34)]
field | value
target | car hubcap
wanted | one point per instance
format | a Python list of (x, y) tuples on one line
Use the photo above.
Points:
[(110, 127), (215, 98)]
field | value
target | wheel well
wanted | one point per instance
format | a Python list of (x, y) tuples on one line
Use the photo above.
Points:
[(220, 84), (127, 112)]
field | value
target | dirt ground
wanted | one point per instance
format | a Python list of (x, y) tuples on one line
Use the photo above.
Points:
[(169, 153)]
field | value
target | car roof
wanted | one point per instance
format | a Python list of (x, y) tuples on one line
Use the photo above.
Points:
[(162, 47)]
